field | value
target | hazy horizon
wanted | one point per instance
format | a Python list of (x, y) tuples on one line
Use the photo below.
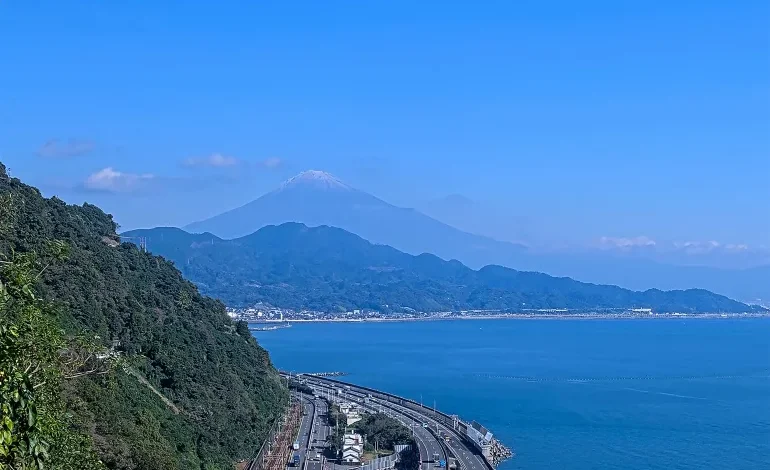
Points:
[(515, 122)]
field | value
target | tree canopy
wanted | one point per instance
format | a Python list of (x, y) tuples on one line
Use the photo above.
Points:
[(329, 269), (188, 388)]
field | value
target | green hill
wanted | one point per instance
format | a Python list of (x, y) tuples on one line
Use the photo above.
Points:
[(191, 389), (328, 269)]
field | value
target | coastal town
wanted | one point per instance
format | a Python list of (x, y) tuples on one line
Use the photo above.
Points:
[(275, 317)]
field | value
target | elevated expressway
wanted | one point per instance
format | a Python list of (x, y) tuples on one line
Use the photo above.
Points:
[(445, 435)]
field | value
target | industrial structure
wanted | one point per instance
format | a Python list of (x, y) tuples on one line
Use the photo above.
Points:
[(481, 438)]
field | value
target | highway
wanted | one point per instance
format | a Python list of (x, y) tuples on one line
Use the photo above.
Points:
[(466, 454), (318, 435), (308, 407), (468, 458), (428, 444)]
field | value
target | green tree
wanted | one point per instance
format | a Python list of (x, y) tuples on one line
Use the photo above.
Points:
[(191, 389), (35, 431), (387, 432)]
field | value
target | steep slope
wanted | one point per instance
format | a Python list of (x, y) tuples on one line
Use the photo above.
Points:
[(327, 268), (207, 392), (317, 198)]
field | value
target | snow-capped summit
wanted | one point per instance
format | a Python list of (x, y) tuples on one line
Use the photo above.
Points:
[(315, 179), (317, 198)]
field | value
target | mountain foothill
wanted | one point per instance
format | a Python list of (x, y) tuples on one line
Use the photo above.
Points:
[(317, 243)]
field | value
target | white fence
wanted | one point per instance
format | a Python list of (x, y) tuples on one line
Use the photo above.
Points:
[(386, 462)]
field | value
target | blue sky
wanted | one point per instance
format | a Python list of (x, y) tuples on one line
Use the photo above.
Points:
[(584, 119)]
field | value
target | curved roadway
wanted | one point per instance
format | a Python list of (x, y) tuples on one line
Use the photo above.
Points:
[(428, 445), (467, 456)]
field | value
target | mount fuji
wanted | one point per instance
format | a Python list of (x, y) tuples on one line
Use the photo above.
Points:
[(319, 198)]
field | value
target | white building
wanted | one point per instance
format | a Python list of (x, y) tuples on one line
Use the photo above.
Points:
[(350, 410), (352, 417), (352, 448)]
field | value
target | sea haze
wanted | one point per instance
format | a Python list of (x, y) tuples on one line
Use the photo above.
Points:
[(578, 394)]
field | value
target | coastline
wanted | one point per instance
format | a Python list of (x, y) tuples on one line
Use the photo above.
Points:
[(587, 317)]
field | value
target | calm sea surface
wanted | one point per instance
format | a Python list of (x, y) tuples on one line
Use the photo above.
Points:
[(632, 394)]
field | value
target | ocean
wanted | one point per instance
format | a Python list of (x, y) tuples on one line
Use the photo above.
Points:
[(572, 394)]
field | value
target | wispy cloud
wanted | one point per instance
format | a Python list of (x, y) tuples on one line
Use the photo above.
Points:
[(690, 247), (215, 160), (738, 247), (113, 181), (272, 162), (218, 160), (55, 148), (698, 247), (626, 242)]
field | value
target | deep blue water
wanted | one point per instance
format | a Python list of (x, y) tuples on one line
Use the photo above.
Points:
[(577, 394)]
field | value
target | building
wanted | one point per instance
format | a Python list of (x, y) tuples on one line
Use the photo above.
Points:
[(351, 413), (352, 448)]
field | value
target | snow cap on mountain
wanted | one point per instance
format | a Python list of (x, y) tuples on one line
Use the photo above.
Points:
[(315, 179)]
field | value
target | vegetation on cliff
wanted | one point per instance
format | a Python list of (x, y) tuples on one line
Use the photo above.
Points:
[(136, 366)]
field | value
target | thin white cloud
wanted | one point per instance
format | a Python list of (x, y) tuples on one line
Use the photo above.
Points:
[(698, 247), (55, 148), (627, 243), (215, 160), (218, 160), (737, 247), (690, 247), (111, 180), (272, 162)]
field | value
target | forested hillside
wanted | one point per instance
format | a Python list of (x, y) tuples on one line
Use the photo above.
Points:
[(329, 269), (168, 381)]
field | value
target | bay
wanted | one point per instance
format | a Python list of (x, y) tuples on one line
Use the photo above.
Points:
[(577, 394)]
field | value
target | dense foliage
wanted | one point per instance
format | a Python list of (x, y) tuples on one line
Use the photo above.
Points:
[(382, 431), (36, 430), (193, 390), (300, 387), (338, 425), (329, 269)]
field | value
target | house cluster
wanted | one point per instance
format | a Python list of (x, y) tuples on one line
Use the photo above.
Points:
[(350, 410), (352, 448)]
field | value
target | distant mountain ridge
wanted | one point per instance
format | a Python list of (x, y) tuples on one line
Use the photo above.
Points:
[(330, 269), (318, 198)]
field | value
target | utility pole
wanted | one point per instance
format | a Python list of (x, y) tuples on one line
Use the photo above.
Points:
[(142, 242)]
